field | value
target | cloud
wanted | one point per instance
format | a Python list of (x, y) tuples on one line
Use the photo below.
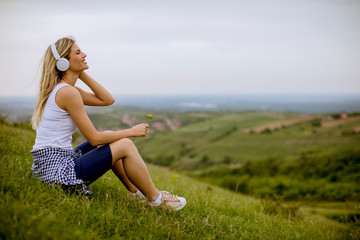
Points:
[(190, 46)]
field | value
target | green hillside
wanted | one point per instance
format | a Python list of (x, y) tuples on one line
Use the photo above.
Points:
[(314, 163), (221, 139), (31, 210)]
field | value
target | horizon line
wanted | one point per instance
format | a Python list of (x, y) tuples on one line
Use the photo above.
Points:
[(212, 94)]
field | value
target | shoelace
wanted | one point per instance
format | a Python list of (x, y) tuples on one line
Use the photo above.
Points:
[(167, 197)]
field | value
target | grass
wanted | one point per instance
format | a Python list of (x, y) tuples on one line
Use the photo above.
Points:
[(30, 209)]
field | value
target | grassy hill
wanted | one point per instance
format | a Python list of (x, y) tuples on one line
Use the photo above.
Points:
[(294, 157), (31, 210)]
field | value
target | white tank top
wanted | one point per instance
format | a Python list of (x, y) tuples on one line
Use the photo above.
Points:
[(56, 127)]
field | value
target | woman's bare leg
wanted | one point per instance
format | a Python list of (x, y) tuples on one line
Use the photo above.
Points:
[(118, 169), (134, 167)]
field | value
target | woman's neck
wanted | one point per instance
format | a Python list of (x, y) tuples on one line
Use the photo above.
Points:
[(69, 78)]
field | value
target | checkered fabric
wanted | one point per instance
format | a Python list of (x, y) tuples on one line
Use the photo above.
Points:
[(56, 166)]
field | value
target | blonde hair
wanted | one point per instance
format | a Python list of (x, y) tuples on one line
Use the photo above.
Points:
[(50, 76)]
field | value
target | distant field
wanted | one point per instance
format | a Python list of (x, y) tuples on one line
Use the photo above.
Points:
[(280, 124), (338, 122), (220, 138)]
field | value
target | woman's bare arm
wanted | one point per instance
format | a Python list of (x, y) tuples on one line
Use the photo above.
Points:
[(99, 97), (70, 99)]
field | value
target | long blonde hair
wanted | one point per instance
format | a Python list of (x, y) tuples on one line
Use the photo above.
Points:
[(50, 76)]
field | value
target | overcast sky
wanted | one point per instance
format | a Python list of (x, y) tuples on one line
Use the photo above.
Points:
[(189, 47)]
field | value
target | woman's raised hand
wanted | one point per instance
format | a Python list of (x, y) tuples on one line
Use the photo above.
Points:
[(139, 130), (82, 76)]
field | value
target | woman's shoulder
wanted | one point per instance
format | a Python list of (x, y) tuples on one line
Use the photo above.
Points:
[(68, 91), (67, 94)]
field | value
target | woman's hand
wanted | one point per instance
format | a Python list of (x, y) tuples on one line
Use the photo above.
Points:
[(139, 130), (81, 76)]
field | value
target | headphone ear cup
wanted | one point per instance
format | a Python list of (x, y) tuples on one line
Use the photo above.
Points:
[(62, 64)]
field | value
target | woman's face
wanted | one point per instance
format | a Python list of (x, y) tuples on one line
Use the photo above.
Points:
[(77, 59)]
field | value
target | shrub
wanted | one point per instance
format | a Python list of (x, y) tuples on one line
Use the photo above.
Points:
[(266, 131), (316, 122)]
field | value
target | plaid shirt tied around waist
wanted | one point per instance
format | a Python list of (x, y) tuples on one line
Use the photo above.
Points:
[(57, 166)]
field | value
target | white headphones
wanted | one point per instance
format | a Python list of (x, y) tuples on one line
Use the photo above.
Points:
[(62, 64)]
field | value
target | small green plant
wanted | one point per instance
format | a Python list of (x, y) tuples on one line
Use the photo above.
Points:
[(149, 117)]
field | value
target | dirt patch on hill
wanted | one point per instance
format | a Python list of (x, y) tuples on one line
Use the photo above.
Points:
[(357, 130), (280, 124), (337, 122)]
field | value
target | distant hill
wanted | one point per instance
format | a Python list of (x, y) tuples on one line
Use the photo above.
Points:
[(302, 103)]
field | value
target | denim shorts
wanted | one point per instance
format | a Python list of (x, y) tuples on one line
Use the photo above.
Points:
[(94, 162)]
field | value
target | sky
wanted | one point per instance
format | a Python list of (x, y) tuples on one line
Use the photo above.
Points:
[(189, 47)]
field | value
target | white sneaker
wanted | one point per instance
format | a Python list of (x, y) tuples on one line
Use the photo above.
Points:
[(169, 201), (136, 196)]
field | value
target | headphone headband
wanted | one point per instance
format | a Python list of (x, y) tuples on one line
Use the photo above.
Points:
[(55, 52), (62, 64)]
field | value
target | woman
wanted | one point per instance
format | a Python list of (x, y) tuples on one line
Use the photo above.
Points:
[(59, 111)]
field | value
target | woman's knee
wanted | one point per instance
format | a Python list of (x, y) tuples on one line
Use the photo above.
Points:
[(125, 141), (122, 147)]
